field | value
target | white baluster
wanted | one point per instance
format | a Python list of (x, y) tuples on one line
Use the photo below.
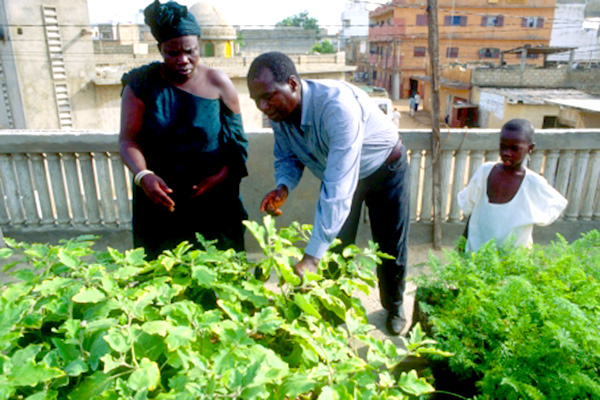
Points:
[(415, 179)]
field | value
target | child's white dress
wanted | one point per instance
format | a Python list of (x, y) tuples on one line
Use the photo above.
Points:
[(535, 203)]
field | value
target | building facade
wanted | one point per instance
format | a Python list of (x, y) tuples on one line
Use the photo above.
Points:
[(469, 30)]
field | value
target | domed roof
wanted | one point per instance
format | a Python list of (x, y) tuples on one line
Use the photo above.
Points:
[(208, 15)]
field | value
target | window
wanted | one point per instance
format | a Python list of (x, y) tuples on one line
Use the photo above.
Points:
[(489, 52), (422, 19), (346, 23), (455, 20), (495, 20), (452, 52), (532, 22), (419, 52)]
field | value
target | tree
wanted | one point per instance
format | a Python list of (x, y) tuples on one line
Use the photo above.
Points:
[(325, 47), (301, 19)]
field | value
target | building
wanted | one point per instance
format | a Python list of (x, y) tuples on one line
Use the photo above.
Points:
[(469, 30), (47, 65), (572, 28), (488, 96), (355, 38)]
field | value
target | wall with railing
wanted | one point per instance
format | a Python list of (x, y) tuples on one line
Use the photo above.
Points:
[(76, 179)]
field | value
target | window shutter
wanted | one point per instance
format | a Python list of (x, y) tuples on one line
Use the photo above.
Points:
[(500, 20), (523, 22), (540, 22), (447, 20), (483, 21), (463, 21)]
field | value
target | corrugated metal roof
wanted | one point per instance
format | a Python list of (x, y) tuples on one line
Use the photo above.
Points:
[(544, 96)]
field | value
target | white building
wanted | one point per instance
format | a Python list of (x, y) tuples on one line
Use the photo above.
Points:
[(572, 29)]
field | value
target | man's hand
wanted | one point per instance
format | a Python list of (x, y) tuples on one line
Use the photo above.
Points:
[(273, 200), (308, 263), (157, 190), (208, 183)]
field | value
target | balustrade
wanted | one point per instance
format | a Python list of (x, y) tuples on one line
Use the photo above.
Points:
[(77, 179)]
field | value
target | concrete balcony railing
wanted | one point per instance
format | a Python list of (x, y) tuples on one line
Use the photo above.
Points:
[(76, 180)]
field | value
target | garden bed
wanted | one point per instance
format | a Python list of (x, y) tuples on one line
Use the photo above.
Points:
[(522, 324)]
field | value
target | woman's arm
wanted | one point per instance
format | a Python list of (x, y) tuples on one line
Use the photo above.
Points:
[(132, 114)]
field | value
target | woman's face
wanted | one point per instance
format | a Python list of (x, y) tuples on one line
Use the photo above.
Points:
[(181, 55)]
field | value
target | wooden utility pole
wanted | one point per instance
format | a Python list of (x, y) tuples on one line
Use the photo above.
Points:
[(434, 59)]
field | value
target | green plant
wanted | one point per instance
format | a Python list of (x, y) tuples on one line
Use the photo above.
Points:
[(79, 324), (522, 323), (324, 47)]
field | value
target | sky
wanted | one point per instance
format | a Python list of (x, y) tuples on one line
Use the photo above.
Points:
[(248, 13)]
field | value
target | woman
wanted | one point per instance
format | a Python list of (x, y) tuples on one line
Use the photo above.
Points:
[(182, 138)]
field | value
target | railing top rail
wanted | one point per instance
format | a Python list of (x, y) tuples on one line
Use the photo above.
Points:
[(24, 141)]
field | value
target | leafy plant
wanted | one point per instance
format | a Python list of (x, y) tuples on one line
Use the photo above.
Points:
[(324, 47), (79, 324), (522, 323)]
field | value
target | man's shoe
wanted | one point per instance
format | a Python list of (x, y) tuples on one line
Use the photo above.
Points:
[(395, 322)]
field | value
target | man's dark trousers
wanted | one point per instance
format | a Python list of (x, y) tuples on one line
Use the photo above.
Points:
[(386, 193)]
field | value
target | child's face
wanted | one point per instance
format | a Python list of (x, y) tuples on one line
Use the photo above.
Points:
[(514, 147)]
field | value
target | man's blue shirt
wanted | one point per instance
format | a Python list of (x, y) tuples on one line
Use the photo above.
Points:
[(343, 137)]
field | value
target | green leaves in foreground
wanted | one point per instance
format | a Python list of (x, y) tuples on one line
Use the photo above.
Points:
[(194, 325)]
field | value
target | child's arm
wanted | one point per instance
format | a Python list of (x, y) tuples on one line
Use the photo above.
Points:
[(471, 194), (546, 202)]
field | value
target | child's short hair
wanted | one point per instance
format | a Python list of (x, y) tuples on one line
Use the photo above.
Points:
[(520, 125)]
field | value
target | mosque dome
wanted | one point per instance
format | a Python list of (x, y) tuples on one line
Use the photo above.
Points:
[(211, 21)]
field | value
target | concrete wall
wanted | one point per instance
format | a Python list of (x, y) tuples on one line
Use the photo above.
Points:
[(586, 79), (289, 40)]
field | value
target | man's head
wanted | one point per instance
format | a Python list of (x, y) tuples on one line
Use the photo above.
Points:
[(275, 86), (516, 142)]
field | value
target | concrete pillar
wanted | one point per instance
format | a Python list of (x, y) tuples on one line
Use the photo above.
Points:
[(396, 85)]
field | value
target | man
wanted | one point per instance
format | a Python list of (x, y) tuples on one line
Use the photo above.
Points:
[(337, 131)]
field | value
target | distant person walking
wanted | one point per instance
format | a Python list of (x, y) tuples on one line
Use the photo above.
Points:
[(417, 100), (411, 105), (396, 117)]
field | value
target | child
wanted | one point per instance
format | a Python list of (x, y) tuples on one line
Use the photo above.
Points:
[(506, 199)]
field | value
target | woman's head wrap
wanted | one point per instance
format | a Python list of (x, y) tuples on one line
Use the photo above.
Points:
[(170, 20)]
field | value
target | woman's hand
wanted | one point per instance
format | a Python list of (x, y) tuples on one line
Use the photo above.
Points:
[(157, 190), (208, 183), (273, 200)]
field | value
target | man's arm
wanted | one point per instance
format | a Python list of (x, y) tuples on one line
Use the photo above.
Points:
[(345, 131)]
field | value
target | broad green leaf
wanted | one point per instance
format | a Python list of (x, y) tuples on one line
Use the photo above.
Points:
[(5, 253), (118, 340), (37, 396), (146, 377), (180, 336), (99, 324), (135, 257), (92, 387), (328, 393), (204, 275), (76, 368), (293, 386), (157, 327), (410, 383), (53, 285), (67, 258), (110, 363), (89, 295), (31, 374), (303, 302), (126, 272)]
